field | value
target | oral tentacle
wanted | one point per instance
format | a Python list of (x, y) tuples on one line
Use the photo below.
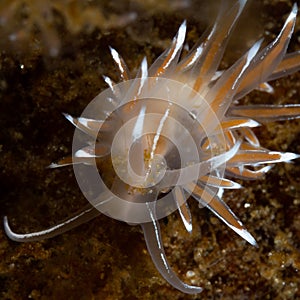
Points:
[(85, 215), (155, 248)]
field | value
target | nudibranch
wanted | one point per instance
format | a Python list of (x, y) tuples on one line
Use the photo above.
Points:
[(144, 146)]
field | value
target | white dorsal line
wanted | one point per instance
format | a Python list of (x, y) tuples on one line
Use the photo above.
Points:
[(82, 121), (144, 75), (158, 132), (196, 55), (115, 55), (251, 54), (179, 40), (285, 156), (181, 201), (139, 124), (244, 234), (221, 182), (82, 153), (109, 82), (251, 123), (292, 16)]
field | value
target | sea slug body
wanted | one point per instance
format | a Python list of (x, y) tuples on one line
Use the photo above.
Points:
[(176, 131)]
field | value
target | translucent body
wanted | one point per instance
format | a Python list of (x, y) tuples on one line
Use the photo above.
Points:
[(175, 132)]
